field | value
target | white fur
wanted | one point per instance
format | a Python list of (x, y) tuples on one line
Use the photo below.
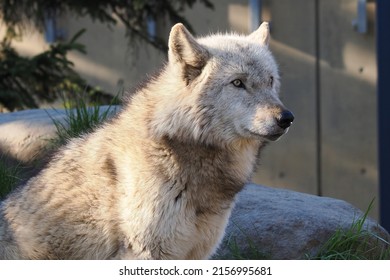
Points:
[(158, 181)]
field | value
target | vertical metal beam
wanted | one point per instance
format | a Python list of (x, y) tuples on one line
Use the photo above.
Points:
[(317, 35), (383, 61), (254, 14), (360, 23), (151, 27), (50, 27)]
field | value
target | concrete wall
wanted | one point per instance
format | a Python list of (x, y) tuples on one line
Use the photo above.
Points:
[(348, 117), (328, 80)]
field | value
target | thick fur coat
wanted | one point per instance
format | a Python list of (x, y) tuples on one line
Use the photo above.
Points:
[(159, 180)]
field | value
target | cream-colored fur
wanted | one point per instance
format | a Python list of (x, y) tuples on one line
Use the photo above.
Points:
[(159, 180)]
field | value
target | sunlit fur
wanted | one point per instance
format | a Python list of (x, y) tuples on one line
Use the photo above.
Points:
[(159, 180)]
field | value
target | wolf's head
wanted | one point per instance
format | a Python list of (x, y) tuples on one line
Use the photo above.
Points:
[(221, 88)]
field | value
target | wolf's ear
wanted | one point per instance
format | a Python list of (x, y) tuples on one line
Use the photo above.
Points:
[(261, 35), (185, 51)]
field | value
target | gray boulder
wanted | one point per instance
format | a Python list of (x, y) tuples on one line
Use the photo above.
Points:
[(275, 223), (25, 134)]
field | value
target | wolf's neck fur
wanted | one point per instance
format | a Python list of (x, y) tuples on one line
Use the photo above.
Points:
[(204, 168), (197, 167)]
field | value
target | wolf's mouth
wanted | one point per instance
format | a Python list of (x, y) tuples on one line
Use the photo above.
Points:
[(270, 137), (273, 137)]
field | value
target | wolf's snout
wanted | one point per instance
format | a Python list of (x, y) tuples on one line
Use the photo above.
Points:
[(285, 119)]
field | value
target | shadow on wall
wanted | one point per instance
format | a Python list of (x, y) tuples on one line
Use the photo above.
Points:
[(331, 151)]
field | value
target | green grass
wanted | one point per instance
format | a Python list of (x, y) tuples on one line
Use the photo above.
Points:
[(9, 177), (354, 243), (251, 253), (80, 118)]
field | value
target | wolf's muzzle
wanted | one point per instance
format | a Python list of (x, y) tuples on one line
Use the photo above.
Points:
[(285, 119)]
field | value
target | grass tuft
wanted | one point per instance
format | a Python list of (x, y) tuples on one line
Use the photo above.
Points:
[(9, 177), (80, 118), (354, 243), (236, 252), (251, 252)]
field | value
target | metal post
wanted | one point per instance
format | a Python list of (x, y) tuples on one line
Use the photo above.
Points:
[(151, 27), (360, 22), (50, 28), (255, 14), (383, 61)]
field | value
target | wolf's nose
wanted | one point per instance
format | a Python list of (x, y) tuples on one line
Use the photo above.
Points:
[(285, 119)]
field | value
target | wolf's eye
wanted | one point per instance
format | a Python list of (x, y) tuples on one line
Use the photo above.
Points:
[(238, 83), (271, 81)]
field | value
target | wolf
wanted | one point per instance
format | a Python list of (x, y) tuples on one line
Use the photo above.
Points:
[(158, 180)]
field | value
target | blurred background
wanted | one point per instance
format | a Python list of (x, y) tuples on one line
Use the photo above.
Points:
[(326, 50)]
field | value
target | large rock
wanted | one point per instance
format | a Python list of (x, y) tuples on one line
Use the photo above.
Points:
[(281, 224), (24, 135)]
